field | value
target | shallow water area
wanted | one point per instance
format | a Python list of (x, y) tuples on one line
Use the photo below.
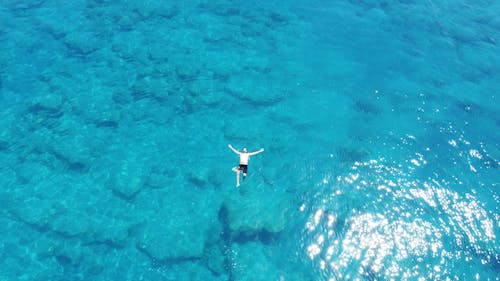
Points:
[(379, 121)]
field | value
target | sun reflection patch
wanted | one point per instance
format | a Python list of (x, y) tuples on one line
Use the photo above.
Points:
[(373, 242), (378, 224)]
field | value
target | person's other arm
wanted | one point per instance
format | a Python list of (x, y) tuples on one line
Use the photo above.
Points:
[(256, 152), (234, 150)]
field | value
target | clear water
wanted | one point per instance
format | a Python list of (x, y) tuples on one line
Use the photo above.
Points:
[(379, 120)]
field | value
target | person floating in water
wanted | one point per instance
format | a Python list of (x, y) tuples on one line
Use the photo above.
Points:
[(243, 167)]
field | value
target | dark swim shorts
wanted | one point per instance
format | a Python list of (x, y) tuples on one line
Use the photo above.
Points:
[(243, 168)]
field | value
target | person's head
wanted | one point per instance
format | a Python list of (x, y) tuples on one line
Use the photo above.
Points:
[(244, 149)]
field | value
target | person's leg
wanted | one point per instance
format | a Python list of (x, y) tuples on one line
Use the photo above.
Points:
[(237, 178), (245, 168)]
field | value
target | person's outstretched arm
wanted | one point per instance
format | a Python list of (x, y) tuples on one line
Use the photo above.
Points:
[(234, 150), (256, 152)]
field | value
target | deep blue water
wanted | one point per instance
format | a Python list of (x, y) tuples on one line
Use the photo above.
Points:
[(379, 121)]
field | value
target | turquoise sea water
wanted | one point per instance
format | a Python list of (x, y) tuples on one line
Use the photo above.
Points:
[(380, 123)]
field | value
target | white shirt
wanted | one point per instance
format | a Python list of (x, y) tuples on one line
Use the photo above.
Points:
[(244, 158)]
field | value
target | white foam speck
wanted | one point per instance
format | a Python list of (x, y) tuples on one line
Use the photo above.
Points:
[(474, 153), (452, 143), (472, 168)]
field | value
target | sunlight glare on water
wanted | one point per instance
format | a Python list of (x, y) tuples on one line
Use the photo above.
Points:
[(380, 222)]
